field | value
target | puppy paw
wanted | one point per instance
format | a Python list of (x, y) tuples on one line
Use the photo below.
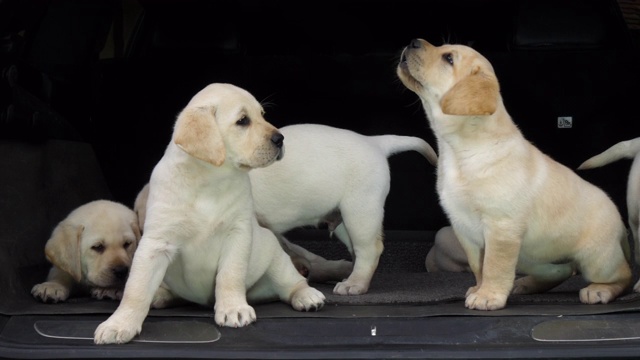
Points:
[(234, 316), (307, 299), (163, 298), (104, 293), (485, 300), (115, 331), (472, 290), (50, 292), (349, 288), (597, 293)]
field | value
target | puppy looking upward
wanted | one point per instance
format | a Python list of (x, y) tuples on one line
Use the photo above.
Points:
[(512, 207)]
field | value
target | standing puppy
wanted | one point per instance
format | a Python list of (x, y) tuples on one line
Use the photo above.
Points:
[(200, 233), (339, 177), (333, 176), (512, 207), (629, 149), (91, 251)]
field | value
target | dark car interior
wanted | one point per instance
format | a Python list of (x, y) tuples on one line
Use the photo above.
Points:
[(90, 91)]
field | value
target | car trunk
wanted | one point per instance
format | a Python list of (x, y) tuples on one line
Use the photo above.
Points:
[(91, 91)]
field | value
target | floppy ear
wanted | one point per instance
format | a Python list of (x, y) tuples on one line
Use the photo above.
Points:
[(63, 249), (476, 94), (136, 231), (196, 132)]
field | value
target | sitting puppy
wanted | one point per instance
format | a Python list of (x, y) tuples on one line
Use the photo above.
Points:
[(91, 250), (512, 207), (200, 232), (331, 176), (446, 254), (629, 149)]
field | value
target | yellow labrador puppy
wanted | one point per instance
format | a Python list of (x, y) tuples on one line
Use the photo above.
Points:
[(91, 251), (200, 233), (512, 207), (333, 176), (446, 254), (339, 177), (629, 149)]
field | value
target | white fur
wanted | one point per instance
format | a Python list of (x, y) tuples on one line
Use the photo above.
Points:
[(332, 176), (336, 176), (201, 235)]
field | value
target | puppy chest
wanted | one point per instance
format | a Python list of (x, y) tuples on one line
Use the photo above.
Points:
[(192, 275)]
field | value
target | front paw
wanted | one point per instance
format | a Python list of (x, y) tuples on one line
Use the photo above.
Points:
[(50, 292), (104, 293), (116, 331), (307, 299), (234, 315), (485, 300)]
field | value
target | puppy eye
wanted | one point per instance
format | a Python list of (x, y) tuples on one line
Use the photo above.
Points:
[(448, 57), (244, 121), (98, 248), (127, 244)]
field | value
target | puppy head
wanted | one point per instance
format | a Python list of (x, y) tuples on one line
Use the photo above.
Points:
[(95, 244), (454, 77), (224, 123)]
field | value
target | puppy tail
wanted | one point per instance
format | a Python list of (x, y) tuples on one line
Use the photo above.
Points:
[(394, 144), (624, 149)]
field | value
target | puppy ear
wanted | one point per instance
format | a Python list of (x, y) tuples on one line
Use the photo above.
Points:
[(136, 231), (63, 249), (476, 94), (196, 132)]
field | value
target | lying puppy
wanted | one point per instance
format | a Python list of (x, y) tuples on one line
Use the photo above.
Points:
[(446, 254), (629, 149), (331, 176), (91, 252), (512, 207), (200, 233)]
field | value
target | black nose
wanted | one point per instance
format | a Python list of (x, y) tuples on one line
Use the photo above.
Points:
[(120, 272), (277, 139)]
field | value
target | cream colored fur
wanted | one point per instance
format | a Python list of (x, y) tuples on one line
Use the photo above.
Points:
[(333, 176), (91, 251), (512, 207), (446, 254), (629, 149), (200, 233)]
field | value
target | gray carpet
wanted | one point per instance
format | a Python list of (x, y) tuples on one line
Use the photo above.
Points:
[(43, 182)]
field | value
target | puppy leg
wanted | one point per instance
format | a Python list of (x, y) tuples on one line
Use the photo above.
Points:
[(609, 278), (149, 266), (299, 256), (106, 293), (447, 254), (318, 269), (502, 247), (164, 298), (367, 246), (475, 258), (57, 287), (542, 277), (282, 281)]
